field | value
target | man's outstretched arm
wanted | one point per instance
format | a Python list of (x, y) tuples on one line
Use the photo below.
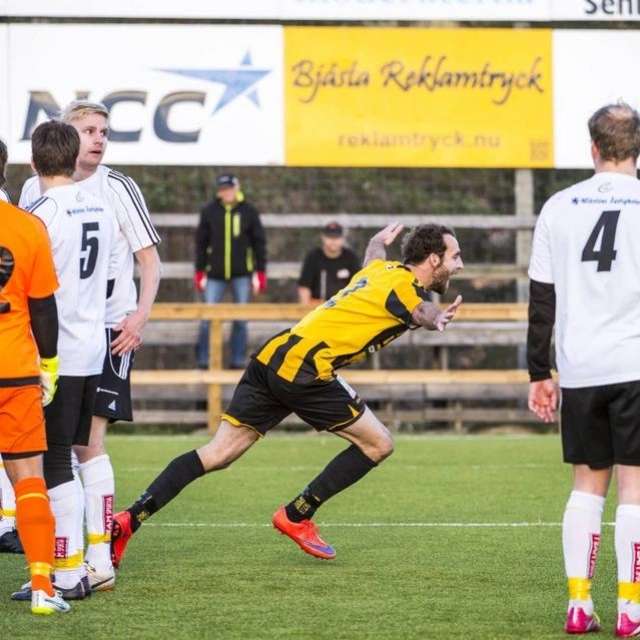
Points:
[(376, 247), (431, 317)]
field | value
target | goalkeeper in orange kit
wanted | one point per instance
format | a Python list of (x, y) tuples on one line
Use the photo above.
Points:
[(28, 377)]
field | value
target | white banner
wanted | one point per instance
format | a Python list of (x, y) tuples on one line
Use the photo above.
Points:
[(585, 80), (4, 84), (492, 10), (575, 10), (197, 95)]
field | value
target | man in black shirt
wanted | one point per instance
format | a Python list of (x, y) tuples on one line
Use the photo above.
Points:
[(328, 268)]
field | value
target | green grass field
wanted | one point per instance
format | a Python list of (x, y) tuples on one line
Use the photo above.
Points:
[(209, 566)]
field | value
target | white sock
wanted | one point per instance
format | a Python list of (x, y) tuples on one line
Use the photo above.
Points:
[(79, 514), (581, 527), (99, 486), (67, 562), (628, 558), (7, 502)]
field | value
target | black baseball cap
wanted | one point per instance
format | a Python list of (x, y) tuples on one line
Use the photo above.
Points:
[(333, 230), (227, 180)]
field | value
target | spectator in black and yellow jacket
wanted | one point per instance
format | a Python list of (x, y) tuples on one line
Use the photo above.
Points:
[(230, 249)]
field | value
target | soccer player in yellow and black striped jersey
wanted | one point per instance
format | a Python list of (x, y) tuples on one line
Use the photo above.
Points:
[(295, 372)]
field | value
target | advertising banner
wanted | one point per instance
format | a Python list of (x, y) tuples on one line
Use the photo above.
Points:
[(418, 97), (330, 10), (4, 80), (585, 80), (493, 10), (579, 10), (178, 95)]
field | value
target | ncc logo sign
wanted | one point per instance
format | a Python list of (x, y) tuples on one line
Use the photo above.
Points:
[(238, 84), (177, 94)]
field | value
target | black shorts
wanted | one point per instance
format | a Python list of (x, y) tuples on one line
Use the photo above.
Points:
[(601, 425), (263, 399), (68, 417), (113, 400)]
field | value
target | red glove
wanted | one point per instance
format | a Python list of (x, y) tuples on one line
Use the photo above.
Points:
[(259, 282), (199, 280)]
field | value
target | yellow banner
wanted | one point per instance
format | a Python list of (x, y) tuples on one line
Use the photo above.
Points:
[(418, 97)]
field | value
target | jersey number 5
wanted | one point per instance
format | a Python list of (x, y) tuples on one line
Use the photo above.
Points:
[(89, 249), (607, 224)]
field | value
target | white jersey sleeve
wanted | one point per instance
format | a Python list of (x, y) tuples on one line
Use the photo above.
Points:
[(131, 210), (540, 265), (4, 195), (30, 192)]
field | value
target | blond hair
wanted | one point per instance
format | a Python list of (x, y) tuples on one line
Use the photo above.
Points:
[(81, 108)]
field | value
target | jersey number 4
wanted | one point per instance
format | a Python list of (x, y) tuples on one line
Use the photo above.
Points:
[(607, 224), (89, 249)]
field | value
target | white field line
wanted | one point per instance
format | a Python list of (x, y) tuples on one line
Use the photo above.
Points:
[(308, 435), (390, 465), (367, 525)]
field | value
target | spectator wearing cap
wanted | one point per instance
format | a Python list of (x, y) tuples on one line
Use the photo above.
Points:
[(328, 268), (230, 249)]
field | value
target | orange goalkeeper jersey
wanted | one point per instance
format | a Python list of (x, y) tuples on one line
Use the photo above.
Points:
[(26, 271)]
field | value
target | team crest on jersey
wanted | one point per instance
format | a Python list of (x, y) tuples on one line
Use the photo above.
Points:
[(7, 265)]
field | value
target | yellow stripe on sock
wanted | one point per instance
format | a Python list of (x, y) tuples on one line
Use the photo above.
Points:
[(70, 562), (98, 538), (7, 513), (629, 591), (40, 569), (579, 588), (44, 496)]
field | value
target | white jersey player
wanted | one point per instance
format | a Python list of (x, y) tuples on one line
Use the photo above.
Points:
[(135, 231), (585, 279), (83, 230), (125, 320)]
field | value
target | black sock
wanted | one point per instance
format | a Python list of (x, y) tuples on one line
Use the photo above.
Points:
[(344, 470), (180, 472)]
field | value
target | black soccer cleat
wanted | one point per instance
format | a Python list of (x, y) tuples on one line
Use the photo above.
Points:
[(79, 592), (10, 542)]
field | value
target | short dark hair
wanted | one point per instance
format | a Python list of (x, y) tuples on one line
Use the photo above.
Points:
[(424, 240), (54, 147), (615, 130), (4, 156)]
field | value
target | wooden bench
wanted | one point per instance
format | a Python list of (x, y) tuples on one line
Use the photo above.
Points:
[(217, 377)]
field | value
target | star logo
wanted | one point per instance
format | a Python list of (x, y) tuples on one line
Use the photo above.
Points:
[(575, 201), (238, 82)]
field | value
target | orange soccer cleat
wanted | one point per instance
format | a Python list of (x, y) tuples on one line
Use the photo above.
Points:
[(304, 534), (120, 536)]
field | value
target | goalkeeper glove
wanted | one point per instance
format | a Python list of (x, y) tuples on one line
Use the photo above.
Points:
[(49, 378)]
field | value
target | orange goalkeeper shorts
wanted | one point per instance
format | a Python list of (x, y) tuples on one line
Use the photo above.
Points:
[(22, 420)]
